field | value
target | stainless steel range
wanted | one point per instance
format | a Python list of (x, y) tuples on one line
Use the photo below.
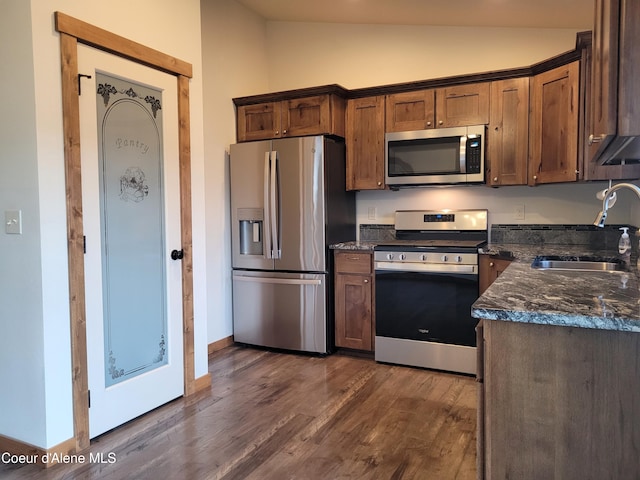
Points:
[(426, 282)]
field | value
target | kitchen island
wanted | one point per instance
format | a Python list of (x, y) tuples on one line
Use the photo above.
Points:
[(559, 371)]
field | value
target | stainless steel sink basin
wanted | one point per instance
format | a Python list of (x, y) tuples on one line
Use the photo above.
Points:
[(592, 264)]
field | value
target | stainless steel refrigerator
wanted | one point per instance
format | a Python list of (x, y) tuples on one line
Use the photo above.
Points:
[(289, 203)]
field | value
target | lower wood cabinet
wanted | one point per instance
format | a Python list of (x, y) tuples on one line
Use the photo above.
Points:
[(490, 267), (557, 402), (354, 324)]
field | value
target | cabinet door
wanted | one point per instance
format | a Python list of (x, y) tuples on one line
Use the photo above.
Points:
[(410, 111), (462, 105), (258, 122), (565, 399), (353, 312), (553, 140), (590, 168), (365, 143), (480, 444), (306, 116), (354, 300), (490, 267), (604, 76), (508, 133)]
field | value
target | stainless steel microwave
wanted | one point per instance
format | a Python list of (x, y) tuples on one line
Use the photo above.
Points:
[(436, 156)]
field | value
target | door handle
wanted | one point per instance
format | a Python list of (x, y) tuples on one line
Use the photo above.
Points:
[(177, 254)]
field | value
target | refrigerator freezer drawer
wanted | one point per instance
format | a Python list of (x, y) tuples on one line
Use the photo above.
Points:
[(280, 310)]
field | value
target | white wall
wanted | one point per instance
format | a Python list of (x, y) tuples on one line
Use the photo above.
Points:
[(357, 56), (36, 366), (234, 65), (556, 204), (22, 367)]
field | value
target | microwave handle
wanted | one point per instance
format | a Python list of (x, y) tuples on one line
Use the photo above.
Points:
[(463, 153)]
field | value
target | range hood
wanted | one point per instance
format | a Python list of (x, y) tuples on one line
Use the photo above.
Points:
[(621, 150)]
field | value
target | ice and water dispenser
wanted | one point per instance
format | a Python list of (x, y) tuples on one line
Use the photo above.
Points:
[(251, 222)]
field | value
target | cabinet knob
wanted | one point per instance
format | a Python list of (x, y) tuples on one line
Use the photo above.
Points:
[(428, 124), (535, 177), (277, 132), (379, 184), (366, 280), (284, 132), (495, 179), (491, 264), (440, 122), (595, 139)]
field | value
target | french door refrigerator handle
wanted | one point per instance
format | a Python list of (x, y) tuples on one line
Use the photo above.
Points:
[(275, 206), (268, 248)]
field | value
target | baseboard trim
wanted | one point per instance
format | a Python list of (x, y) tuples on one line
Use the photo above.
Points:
[(202, 383), (45, 457), (220, 344)]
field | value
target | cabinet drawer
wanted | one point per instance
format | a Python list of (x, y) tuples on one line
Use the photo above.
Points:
[(353, 262)]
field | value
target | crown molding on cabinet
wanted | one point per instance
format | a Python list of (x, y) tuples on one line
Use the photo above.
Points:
[(583, 40)]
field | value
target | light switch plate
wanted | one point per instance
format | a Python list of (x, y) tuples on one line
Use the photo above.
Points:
[(13, 222)]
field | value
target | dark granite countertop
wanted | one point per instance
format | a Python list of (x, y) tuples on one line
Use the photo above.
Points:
[(599, 300), (354, 245)]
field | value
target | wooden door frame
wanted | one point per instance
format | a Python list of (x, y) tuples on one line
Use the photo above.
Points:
[(73, 31)]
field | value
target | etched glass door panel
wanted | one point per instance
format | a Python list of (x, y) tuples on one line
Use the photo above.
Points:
[(131, 221), (132, 212)]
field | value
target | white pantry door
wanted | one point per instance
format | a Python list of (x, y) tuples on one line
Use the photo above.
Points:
[(131, 218)]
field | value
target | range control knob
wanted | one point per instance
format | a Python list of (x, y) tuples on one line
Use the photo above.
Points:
[(458, 258), (389, 256), (423, 257), (444, 258), (403, 256)]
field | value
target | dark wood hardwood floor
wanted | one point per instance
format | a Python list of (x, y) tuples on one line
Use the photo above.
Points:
[(272, 415)]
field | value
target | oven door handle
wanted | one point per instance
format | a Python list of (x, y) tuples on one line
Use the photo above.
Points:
[(426, 268)]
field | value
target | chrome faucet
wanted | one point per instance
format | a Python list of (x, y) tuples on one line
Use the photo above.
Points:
[(608, 196)]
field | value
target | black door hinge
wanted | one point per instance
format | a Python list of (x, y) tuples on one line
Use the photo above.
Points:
[(84, 244), (89, 398)]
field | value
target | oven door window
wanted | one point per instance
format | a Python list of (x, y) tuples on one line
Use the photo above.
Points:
[(425, 306), (429, 156)]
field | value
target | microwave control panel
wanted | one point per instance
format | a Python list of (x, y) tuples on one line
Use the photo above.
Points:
[(474, 152)]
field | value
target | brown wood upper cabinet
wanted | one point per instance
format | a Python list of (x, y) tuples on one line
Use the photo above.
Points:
[(314, 115), (508, 133), (461, 105), (553, 132), (453, 106), (615, 89), (365, 143), (411, 111)]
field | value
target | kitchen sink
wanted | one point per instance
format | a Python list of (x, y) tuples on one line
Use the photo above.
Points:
[(591, 264)]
